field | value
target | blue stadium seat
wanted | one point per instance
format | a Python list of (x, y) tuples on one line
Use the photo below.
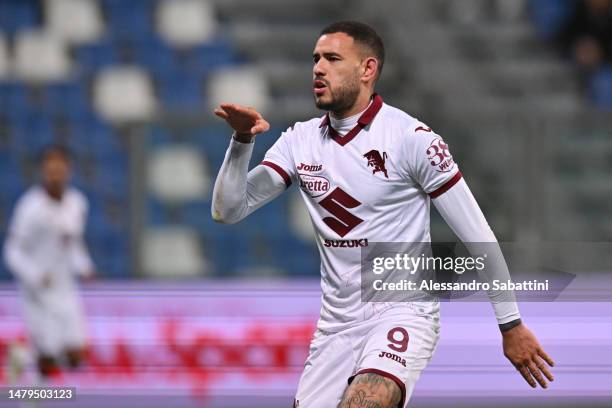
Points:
[(182, 94), (68, 99), (549, 15), (110, 263), (213, 143), (157, 214), (208, 57), (32, 133), (91, 137), (156, 56), (16, 15), (92, 57), (111, 178), (298, 258), (12, 181), (14, 100), (221, 249), (130, 20), (600, 88), (158, 137)]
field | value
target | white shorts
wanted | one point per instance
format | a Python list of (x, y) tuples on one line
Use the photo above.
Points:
[(55, 327), (397, 344)]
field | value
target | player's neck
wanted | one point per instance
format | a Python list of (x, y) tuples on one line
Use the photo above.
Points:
[(54, 192), (344, 125), (358, 107)]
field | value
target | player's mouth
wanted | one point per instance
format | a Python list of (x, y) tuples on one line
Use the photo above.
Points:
[(319, 87)]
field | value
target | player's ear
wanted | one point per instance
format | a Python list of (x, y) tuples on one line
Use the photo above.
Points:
[(370, 68)]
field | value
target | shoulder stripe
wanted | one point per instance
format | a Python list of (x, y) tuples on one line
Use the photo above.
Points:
[(279, 170), (446, 186)]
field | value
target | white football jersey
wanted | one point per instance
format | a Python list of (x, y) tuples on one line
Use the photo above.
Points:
[(371, 185), (46, 236)]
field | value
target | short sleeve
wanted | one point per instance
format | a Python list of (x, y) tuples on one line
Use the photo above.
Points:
[(431, 163), (280, 158)]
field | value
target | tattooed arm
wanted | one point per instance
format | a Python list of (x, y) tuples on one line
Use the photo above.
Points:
[(371, 390)]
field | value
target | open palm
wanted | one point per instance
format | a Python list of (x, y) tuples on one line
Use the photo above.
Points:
[(245, 121)]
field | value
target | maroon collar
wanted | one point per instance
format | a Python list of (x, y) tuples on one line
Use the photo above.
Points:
[(364, 120)]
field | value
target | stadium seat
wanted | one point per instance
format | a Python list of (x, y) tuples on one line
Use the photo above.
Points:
[(213, 142), (14, 99), (74, 21), (129, 20), (299, 220), (122, 94), (111, 178), (172, 252), (178, 174), (600, 88), (157, 56), (245, 86), (32, 133), (91, 138), (185, 23), (211, 56), (4, 58), (549, 15), (181, 94), (16, 15), (93, 57), (68, 99), (158, 136), (12, 182), (40, 57)]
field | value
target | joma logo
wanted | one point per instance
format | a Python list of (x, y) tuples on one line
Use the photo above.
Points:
[(393, 357), (310, 167)]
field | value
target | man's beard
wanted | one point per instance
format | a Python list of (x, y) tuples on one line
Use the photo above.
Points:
[(343, 98)]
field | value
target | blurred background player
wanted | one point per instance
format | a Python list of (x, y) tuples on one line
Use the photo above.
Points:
[(45, 251)]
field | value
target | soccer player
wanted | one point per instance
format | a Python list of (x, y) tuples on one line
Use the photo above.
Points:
[(45, 251), (367, 172)]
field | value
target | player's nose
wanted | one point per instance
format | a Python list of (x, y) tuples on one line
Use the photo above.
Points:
[(318, 70)]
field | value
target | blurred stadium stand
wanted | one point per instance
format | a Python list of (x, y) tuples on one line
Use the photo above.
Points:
[(128, 86)]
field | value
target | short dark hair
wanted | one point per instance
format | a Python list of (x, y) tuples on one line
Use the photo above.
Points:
[(54, 150), (362, 34)]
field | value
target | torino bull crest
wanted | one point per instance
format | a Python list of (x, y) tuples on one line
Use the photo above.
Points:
[(377, 161)]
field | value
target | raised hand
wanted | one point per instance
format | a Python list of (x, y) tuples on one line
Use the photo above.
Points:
[(523, 350), (246, 122)]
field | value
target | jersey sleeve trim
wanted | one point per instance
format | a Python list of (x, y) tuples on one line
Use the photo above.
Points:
[(279, 170), (385, 374), (446, 186)]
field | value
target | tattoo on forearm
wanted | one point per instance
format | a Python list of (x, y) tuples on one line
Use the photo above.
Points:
[(361, 400), (371, 391)]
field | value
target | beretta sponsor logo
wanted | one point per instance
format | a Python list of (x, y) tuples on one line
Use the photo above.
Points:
[(314, 185)]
